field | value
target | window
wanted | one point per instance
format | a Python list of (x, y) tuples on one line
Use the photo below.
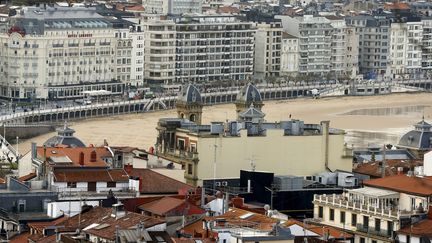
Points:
[(365, 222), (377, 225), (353, 219), (342, 217), (190, 171), (362, 240), (408, 239), (331, 214), (71, 185), (374, 241), (389, 228), (320, 212), (21, 205), (111, 184)]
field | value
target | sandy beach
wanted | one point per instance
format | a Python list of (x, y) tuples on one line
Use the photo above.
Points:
[(376, 119)]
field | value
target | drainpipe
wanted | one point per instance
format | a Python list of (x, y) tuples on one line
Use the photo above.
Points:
[(325, 126)]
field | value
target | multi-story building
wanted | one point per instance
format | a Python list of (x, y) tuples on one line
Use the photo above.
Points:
[(323, 45), (175, 7), (289, 55), (221, 150), (130, 55), (427, 45), (374, 43), (213, 47), (58, 53), (267, 55), (159, 49), (375, 212)]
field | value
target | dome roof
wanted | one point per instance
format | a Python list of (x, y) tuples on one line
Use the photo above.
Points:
[(419, 138), (249, 93), (190, 94), (64, 137)]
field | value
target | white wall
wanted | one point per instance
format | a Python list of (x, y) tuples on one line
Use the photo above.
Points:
[(56, 209), (427, 164)]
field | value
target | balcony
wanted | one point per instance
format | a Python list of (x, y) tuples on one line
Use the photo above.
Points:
[(177, 154), (372, 231), (341, 201)]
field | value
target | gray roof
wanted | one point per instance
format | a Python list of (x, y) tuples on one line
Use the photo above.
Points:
[(419, 138), (252, 112), (190, 94), (64, 137), (249, 93)]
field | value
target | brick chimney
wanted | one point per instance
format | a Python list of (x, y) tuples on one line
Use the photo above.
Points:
[(93, 156), (81, 158), (238, 202), (128, 168), (430, 212)]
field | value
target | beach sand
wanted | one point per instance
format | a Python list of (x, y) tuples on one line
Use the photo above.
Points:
[(377, 119)]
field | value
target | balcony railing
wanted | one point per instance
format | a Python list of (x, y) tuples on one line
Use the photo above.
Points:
[(372, 231), (341, 202)]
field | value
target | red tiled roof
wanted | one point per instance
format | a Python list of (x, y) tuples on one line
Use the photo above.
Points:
[(171, 206), (103, 175), (74, 153), (153, 182), (228, 9), (422, 228), (421, 186), (40, 226), (374, 168), (27, 177), (100, 215), (21, 238), (162, 206), (320, 229), (396, 6), (233, 216), (137, 8)]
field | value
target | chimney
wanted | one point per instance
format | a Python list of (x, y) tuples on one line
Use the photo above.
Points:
[(81, 158), (430, 212), (118, 211), (93, 156), (128, 168), (238, 202), (399, 170)]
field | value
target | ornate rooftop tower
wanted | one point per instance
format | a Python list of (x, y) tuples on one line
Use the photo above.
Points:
[(248, 94), (189, 104)]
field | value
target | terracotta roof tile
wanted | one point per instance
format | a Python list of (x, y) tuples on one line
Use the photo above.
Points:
[(421, 186), (21, 238), (374, 168), (320, 229), (103, 175), (422, 228), (153, 182), (74, 153), (27, 177), (171, 205), (235, 216), (228, 9)]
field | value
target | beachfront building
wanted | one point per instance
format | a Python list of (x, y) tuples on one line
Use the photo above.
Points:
[(172, 7), (290, 55), (374, 213), (159, 49), (213, 47), (58, 52), (222, 149), (267, 55), (323, 45)]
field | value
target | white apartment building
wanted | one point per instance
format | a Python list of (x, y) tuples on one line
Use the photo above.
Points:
[(159, 49), (267, 55), (130, 55), (57, 53), (323, 45), (427, 44), (213, 47), (375, 212), (175, 7), (289, 55)]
